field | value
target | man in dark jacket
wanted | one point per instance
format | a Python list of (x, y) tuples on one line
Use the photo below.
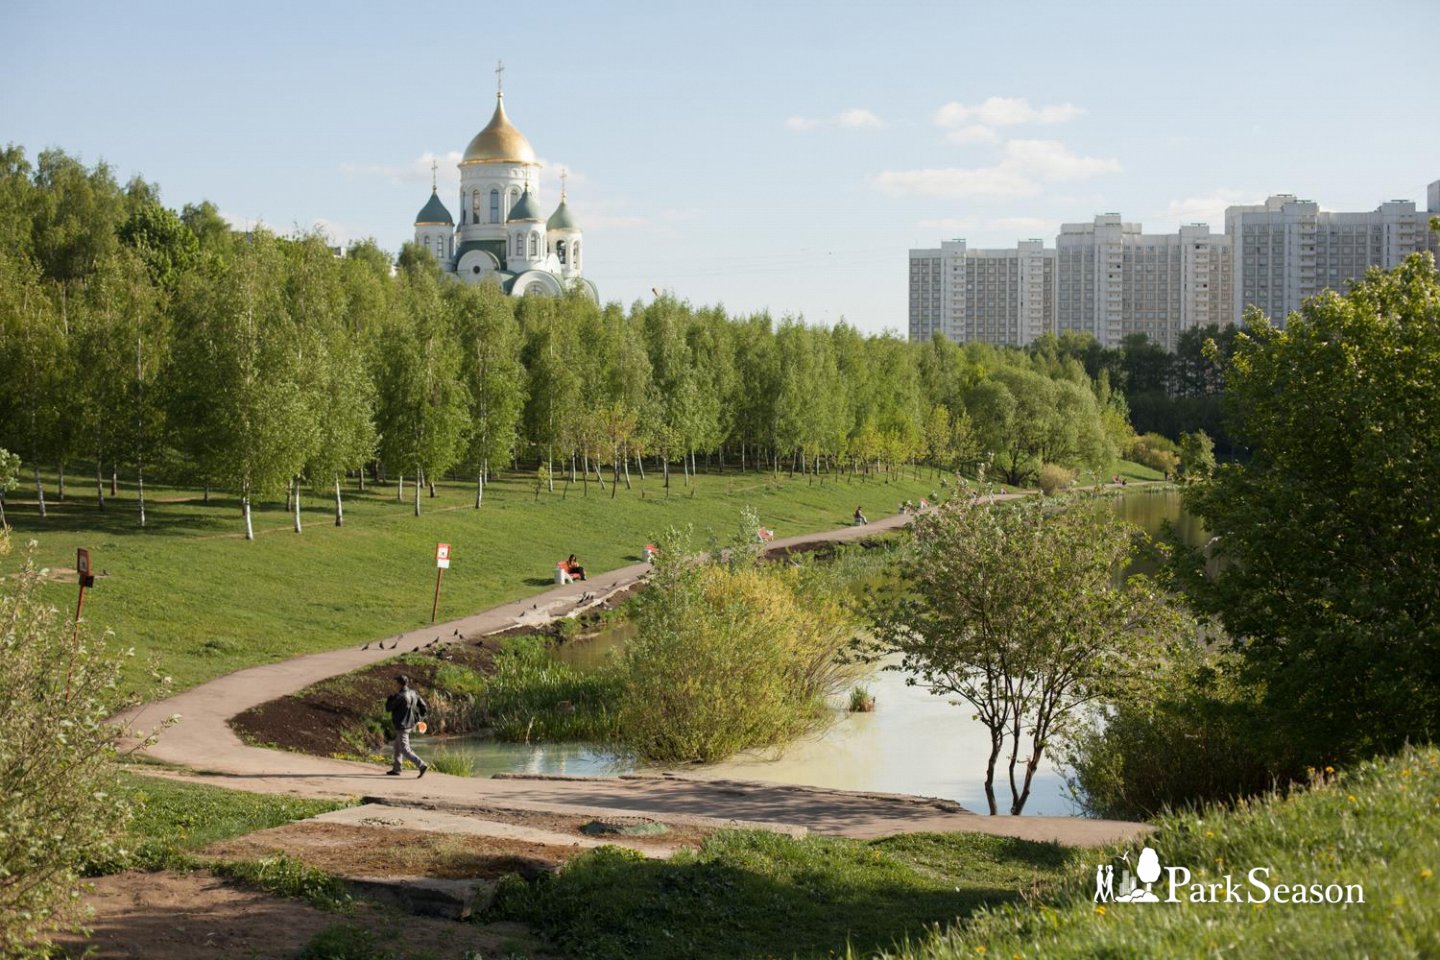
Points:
[(407, 708)]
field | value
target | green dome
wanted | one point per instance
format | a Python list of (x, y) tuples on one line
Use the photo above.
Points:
[(562, 219), (434, 212), (525, 208)]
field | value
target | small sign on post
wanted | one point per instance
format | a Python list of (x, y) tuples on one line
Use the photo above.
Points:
[(86, 579), (442, 563)]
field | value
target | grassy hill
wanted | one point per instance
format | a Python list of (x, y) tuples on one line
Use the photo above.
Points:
[(198, 601), (1377, 825)]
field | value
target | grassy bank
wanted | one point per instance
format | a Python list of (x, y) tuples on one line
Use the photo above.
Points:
[(754, 894), (1377, 825), (194, 597), (172, 819)]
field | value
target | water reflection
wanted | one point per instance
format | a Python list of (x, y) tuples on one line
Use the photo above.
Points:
[(914, 742)]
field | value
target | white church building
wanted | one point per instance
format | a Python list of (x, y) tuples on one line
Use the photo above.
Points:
[(503, 236)]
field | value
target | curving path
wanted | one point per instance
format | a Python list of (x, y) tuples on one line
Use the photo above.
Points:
[(203, 741)]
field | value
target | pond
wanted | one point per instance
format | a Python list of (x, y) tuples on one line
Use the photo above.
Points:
[(913, 742)]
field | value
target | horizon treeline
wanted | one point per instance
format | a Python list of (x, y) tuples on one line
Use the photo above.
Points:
[(160, 345)]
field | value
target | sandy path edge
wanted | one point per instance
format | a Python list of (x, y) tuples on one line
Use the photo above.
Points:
[(203, 741)]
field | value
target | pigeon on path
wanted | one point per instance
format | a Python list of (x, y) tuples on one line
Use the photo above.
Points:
[(366, 647)]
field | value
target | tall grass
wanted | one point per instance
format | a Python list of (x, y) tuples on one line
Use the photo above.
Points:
[(532, 696), (1377, 825)]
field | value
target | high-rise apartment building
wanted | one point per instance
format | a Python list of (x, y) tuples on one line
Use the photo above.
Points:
[(1114, 280), (1286, 250), (993, 296), (1109, 279)]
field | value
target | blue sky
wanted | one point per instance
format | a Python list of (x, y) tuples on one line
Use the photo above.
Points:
[(779, 156)]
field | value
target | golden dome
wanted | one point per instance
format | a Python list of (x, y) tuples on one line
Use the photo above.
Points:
[(499, 142)]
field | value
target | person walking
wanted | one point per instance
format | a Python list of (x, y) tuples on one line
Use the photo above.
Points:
[(406, 708)]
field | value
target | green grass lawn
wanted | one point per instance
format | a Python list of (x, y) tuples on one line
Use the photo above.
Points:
[(750, 895), (196, 600), (173, 818), (1377, 825), (192, 596)]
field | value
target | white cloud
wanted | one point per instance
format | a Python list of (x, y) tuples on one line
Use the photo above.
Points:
[(958, 183), (1004, 112), (1052, 161), (853, 119), (1207, 209), (974, 133), (1025, 226), (948, 225), (1023, 167), (416, 171)]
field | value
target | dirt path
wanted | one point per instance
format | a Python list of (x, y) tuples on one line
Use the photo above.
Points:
[(203, 741)]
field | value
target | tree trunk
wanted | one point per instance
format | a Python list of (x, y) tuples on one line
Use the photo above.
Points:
[(419, 482), (584, 473), (140, 491), (361, 477), (99, 484), (296, 501), (742, 457), (114, 480), (339, 504), (685, 468), (400, 489), (599, 478), (245, 512), (60, 493), (289, 493), (207, 491), (640, 466), (625, 461), (997, 741), (431, 484), (479, 488), (550, 467), (40, 493), (665, 461)]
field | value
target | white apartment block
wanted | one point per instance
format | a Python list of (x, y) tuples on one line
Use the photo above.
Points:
[(1286, 250), (1114, 280), (993, 296), (1109, 279)]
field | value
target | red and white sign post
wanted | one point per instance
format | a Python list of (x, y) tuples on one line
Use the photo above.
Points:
[(442, 563)]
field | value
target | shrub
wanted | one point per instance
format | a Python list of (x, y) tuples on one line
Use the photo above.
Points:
[(1052, 479), (61, 805), (1194, 740), (1154, 451), (728, 656)]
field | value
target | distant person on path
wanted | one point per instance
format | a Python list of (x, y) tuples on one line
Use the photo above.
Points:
[(573, 565), (860, 520), (406, 708)]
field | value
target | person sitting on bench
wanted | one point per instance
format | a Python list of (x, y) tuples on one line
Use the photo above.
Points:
[(860, 520), (763, 535), (572, 566), (651, 552)]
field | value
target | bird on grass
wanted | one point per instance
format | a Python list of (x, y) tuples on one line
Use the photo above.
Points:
[(366, 647), (413, 649), (455, 634)]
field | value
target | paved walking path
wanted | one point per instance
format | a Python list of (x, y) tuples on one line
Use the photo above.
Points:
[(203, 741)]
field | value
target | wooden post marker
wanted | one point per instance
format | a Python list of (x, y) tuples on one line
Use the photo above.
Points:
[(86, 579), (442, 563)]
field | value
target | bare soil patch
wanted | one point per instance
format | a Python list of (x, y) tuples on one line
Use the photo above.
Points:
[(314, 721), (181, 916), (354, 851)]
